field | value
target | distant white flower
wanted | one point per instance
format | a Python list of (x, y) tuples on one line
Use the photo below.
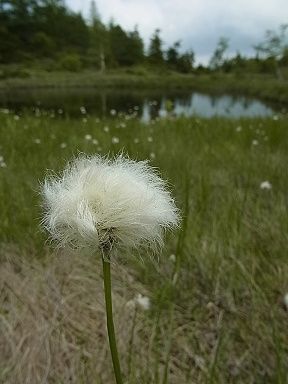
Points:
[(106, 129), (255, 142), (1, 159), (285, 301), (60, 111), (88, 137), (37, 141), (239, 128), (136, 140), (115, 140), (113, 112), (172, 258), (102, 203), (142, 301), (94, 141), (152, 155), (3, 164), (83, 110), (275, 117), (84, 120), (139, 301), (150, 139), (63, 145), (37, 112), (122, 125), (16, 117), (265, 185)]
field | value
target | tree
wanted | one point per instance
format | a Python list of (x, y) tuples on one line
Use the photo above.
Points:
[(155, 52), (217, 58), (98, 38), (186, 62), (274, 47), (135, 46), (172, 54), (94, 16)]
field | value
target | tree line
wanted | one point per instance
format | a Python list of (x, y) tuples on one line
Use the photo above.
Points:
[(47, 30)]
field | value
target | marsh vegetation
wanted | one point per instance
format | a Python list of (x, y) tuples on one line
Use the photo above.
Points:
[(213, 303)]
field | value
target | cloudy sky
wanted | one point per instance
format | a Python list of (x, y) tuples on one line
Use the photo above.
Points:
[(197, 23)]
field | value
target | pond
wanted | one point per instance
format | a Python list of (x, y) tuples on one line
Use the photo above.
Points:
[(146, 105)]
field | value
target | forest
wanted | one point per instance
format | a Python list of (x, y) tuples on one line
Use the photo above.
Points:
[(49, 34)]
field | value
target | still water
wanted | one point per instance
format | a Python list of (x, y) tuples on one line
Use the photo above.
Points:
[(146, 105)]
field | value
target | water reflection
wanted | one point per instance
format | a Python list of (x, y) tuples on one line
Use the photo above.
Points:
[(146, 105)]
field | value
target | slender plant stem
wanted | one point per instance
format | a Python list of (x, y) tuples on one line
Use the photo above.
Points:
[(109, 317)]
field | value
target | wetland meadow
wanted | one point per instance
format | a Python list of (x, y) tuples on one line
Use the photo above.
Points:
[(212, 307)]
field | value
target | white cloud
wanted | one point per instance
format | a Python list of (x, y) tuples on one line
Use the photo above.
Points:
[(199, 24)]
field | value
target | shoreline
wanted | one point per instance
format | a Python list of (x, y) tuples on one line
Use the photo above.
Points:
[(262, 87)]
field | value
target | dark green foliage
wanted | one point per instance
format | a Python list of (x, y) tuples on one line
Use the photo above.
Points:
[(71, 62), (35, 32), (32, 28), (126, 48), (217, 59), (180, 62), (155, 52)]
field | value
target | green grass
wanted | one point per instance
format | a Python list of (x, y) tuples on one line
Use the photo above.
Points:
[(217, 313)]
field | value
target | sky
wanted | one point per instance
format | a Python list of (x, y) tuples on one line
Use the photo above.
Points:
[(197, 23)]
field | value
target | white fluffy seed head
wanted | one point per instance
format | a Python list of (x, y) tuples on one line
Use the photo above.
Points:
[(99, 202)]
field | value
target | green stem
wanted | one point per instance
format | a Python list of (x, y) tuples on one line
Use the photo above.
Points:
[(110, 324)]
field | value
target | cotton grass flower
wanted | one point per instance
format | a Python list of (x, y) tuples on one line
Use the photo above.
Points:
[(115, 140), (266, 185), (285, 301), (143, 302), (100, 202), (106, 204)]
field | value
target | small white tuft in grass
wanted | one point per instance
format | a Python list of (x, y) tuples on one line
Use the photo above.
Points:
[(265, 185), (88, 137), (172, 258), (37, 141), (143, 302), (115, 140), (285, 301), (63, 145), (255, 142)]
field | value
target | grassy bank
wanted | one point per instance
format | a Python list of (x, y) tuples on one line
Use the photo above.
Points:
[(222, 320), (264, 87)]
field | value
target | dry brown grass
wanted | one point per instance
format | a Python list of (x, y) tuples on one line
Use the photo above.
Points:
[(52, 321)]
